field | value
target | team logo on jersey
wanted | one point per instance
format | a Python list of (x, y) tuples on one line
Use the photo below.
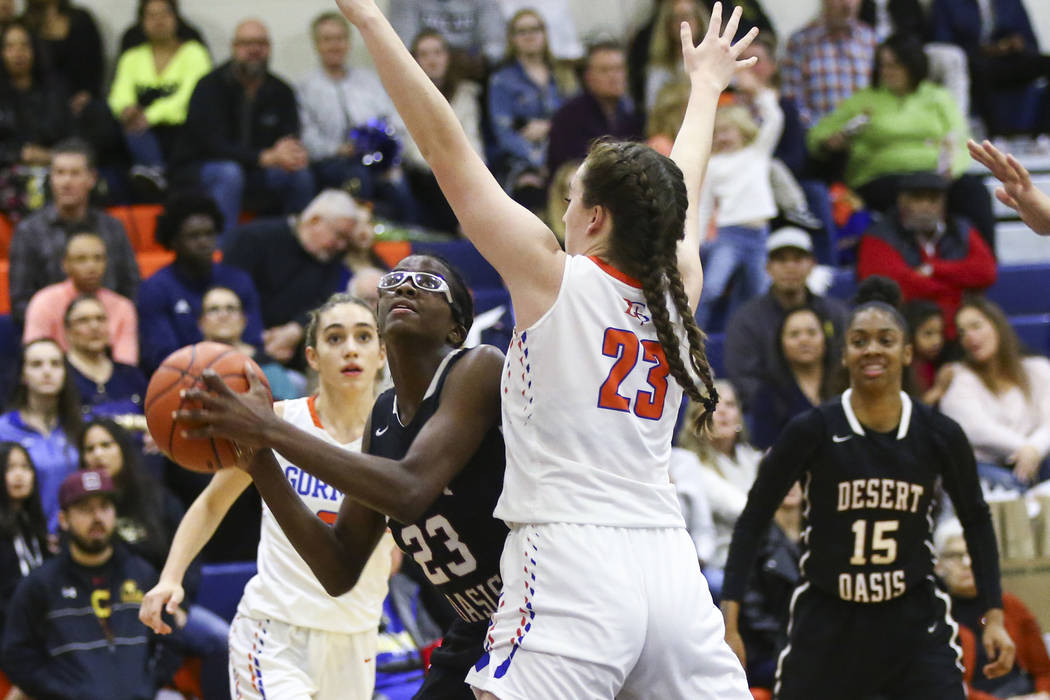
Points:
[(636, 310)]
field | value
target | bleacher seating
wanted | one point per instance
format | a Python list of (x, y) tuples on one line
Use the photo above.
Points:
[(1034, 332), (466, 258), (843, 284), (1021, 289), (222, 585)]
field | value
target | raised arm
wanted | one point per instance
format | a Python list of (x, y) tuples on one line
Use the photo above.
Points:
[(400, 489), (196, 528), (520, 246), (710, 66)]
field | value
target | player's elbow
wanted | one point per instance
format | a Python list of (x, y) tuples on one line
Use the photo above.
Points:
[(336, 583), (412, 505), (410, 509)]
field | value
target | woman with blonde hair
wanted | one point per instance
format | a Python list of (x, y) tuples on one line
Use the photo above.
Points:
[(665, 53), (729, 466), (523, 95), (666, 115)]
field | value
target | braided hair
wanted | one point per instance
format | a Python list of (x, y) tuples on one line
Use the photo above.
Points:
[(645, 195)]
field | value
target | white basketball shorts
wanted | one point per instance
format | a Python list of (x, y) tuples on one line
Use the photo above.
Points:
[(605, 612), (271, 660)]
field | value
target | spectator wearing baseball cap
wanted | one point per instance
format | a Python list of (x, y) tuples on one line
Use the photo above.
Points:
[(929, 253), (751, 355), (72, 631)]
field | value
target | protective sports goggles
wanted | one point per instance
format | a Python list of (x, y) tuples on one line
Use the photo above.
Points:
[(423, 281)]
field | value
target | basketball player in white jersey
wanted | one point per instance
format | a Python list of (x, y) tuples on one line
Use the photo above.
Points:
[(291, 640), (602, 593)]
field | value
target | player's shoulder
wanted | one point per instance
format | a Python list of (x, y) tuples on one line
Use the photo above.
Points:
[(476, 363), (816, 422), (926, 419), (279, 408)]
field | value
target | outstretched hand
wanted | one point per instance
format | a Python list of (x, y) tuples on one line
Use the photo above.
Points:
[(716, 59), (1017, 191), (244, 418)]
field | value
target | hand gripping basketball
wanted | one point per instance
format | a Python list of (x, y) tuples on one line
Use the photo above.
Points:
[(166, 395), (241, 418)]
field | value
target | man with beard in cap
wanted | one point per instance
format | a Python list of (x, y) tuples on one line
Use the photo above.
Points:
[(241, 135), (72, 631), (929, 254)]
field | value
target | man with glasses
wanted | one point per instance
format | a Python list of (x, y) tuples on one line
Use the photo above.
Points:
[(222, 321), (84, 263), (242, 133), (296, 265), (1030, 677)]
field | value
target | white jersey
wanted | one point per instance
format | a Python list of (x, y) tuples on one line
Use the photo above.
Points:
[(285, 588), (589, 409)]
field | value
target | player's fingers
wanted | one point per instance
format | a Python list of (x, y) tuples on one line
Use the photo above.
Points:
[(733, 23), (686, 33), (200, 433), (999, 161), (175, 599), (741, 46), (1001, 653), (150, 616), (977, 153), (998, 667), (204, 397), (147, 610), (214, 382), (1003, 196), (1018, 170), (198, 417), (715, 25)]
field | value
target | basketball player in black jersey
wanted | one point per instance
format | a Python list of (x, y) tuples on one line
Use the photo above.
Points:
[(432, 461), (867, 619)]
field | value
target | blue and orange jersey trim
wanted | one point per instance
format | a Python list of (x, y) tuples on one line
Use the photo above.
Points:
[(615, 273)]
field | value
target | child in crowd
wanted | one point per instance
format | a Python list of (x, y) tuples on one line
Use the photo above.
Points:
[(926, 326), (738, 196)]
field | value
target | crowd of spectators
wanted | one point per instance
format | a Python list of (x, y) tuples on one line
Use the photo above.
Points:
[(269, 190)]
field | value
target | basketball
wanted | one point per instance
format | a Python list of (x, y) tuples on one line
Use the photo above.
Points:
[(182, 370)]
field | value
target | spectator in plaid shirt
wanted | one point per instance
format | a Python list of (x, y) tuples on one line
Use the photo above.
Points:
[(829, 59)]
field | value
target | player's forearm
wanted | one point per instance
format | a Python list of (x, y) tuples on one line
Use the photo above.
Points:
[(424, 110), (692, 146), (384, 485), (196, 528), (731, 613), (336, 567)]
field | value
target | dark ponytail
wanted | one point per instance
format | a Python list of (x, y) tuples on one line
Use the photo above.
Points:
[(645, 194), (882, 293)]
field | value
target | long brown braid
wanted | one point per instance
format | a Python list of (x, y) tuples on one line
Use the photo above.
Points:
[(645, 194)]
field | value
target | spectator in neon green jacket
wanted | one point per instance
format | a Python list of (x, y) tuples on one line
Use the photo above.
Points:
[(903, 124), (153, 84)]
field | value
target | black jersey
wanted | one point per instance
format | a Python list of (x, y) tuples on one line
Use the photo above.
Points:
[(457, 543), (867, 503)]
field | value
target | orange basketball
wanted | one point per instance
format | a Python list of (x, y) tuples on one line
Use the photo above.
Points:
[(182, 370)]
